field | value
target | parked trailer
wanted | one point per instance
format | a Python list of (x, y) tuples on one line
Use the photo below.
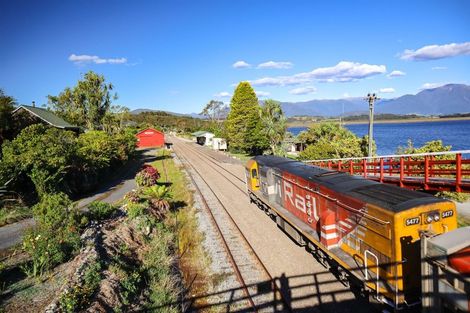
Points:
[(446, 271)]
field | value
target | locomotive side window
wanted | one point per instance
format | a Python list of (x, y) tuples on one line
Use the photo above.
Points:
[(254, 173)]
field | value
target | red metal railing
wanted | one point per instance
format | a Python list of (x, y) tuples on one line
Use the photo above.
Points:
[(444, 171)]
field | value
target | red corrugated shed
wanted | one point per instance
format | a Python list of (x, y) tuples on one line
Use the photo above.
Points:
[(149, 138)]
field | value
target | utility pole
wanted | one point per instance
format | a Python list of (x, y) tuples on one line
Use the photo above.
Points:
[(371, 98)]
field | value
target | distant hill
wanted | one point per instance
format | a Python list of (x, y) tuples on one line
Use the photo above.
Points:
[(448, 99), (350, 106), (138, 111)]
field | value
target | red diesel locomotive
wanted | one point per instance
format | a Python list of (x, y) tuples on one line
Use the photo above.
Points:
[(369, 231)]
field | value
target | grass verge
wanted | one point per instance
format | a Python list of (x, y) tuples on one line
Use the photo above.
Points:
[(192, 258)]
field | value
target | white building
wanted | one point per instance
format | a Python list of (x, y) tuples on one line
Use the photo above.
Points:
[(203, 138), (219, 144)]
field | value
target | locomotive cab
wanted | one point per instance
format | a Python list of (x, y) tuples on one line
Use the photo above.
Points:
[(252, 175)]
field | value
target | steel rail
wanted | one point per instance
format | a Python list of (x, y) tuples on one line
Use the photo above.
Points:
[(219, 231), (258, 259), (230, 181), (215, 163)]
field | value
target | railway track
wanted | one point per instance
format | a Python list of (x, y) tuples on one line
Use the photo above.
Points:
[(247, 266), (210, 159)]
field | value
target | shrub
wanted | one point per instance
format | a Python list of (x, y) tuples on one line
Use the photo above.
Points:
[(100, 210), (132, 197), (455, 196), (157, 264), (135, 209), (124, 145), (331, 140), (147, 177), (54, 211), (96, 149), (48, 249), (76, 298), (130, 286), (56, 237), (44, 154)]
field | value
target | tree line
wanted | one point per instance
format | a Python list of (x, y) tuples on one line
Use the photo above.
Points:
[(39, 159)]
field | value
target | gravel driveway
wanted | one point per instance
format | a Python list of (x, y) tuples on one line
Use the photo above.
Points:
[(110, 192)]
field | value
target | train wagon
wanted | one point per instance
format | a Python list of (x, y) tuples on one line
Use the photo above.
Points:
[(368, 231)]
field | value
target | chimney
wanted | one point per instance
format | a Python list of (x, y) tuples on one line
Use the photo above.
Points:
[(34, 104)]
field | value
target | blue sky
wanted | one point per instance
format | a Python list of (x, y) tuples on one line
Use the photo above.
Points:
[(178, 55)]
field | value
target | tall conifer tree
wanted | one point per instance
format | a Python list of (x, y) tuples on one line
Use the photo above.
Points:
[(244, 128)]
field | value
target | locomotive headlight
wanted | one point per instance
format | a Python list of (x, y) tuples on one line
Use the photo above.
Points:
[(432, 217)]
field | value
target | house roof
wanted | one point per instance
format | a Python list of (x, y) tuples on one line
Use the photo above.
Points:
[(47, 116), (201, 133), (147, 129)]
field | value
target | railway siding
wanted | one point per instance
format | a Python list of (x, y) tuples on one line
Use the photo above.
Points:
[(232, 260)]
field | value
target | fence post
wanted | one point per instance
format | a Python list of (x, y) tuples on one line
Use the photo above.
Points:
[(351, 167), (339, 166), (458, 174), (426, 172), (329, 165), (364, 167), (408, 167), (381, 170), (402, 170)]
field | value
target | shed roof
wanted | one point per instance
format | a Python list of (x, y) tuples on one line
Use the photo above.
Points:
[(147, 129), (47, 116)]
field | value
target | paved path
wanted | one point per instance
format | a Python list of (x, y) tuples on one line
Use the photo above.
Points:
[(110, 192)]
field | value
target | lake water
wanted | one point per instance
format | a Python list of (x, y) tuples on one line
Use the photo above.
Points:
[(389, 137)]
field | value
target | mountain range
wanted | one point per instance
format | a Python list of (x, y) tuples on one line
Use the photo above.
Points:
[(447, 99)]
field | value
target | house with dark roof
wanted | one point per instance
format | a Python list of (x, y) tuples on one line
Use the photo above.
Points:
[(26, 115)]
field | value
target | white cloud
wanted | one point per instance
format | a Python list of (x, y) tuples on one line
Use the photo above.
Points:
[(434, 52), (344, 71), (387, 90), (84, 58), (439, 68), (275, 65), (346, 95), (431, 85), (279, 81), (241, 64), (223, 94), (396, 73), (260, 93), (303, 90)]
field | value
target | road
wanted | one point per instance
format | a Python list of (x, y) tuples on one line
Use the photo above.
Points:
[(110, 192), (307, 285)]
